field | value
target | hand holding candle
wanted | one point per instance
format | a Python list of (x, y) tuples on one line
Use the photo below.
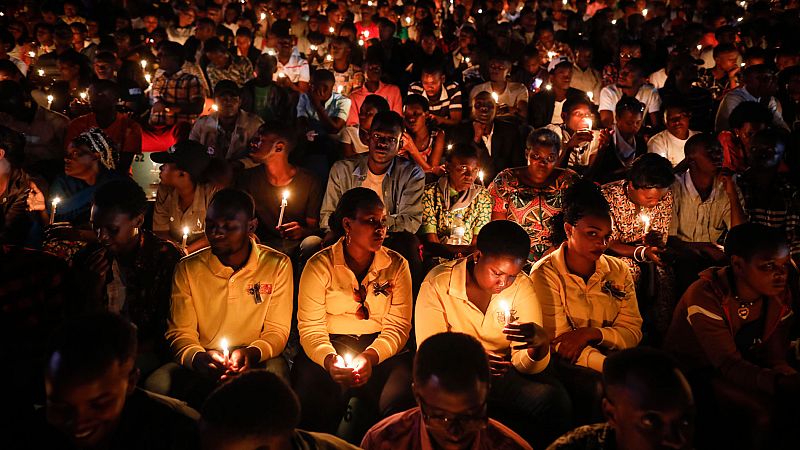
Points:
[(645, 218), (505, 308), (284, 202), (185, 237), (480, 177), (226, 355), (54, 203)]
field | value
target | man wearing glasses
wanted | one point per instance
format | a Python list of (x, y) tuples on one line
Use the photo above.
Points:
[(451, 386)]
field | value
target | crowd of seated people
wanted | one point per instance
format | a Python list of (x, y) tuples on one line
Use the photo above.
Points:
[(332, 224)]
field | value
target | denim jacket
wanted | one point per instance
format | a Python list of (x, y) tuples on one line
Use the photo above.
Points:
[(402, 191)]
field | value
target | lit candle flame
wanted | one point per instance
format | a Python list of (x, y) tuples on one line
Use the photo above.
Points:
[(32, 54), (225, 352), (480, 11), (740, 19), (741, 64), (56, 201), (285, 196), (185, 231), (590, 94), (588, 124), (271, 52), (369, 3), (313, 48), (408, 20), (480, 176), (551, 54), (645, 218), (143, 63), (506, 308), (83, 95), (331, 30), (613, 21), (328, 58), (263, 16), (644, 12), (214, 107), (361, 42), (147, 78), (548, 86), (449, 146), (50, 99), (699, 47), (40, 72), (348, 359), (366, 34), (466, 59), (495, 97), (339, 89)]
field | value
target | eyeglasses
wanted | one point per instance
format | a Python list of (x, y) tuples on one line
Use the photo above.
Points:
[(533, 156), (360, 296), (464, 422), (381, 139)]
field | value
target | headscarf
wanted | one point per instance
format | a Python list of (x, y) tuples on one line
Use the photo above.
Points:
[(98, 142)]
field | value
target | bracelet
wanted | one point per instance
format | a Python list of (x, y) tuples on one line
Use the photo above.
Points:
[(641, 257)]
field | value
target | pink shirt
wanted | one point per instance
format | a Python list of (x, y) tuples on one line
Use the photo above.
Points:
[(388, 91)]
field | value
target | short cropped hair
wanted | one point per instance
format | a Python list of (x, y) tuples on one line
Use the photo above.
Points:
[(279, 129), (457, 361), (233, 201), (350, 203), (750, 239), (256, 403), (376, 101), (504, 238), (544, 137), (123, 195), (322, 75), (387, 121), (463, 150), (657, 369), (650, 170), (88, 345)]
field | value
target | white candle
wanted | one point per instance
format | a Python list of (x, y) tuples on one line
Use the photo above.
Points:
[(645, 218), (506, 308), (185, 237), (143, 63), (40, 72), (225, 353), (644, 12), (590, 94), (283, 206), (495, 97), (54, 203), (480, 176), (50, 99)]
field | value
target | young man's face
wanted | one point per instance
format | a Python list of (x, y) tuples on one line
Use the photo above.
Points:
[(677, 122), (383, 145), (483, 109), (88, 411), (498, 70), (727, 61), (227, 232), (650, 421), (765, 155), (562, 77), (766, 272), (452, 419), (629, 122), (323, 89), (432, 84), (703, 161)]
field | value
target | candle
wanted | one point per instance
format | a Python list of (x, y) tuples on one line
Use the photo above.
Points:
[(645, 218), (551, 55), (366, 34), (283, 207), (185, 237), (480, 176), (740, 19), (495, 97), (40, 72), (225, 353), (480, 11), (408, 19), (313, 48), (271, 52), (281, 75), (147, 78), (263, 16), (83, 95), (613, 21), (339, 89), (331, 30), (548, 86), (588, 124), (466, 60), (565, 2), (32, 54), (699, 47), (214, 107), (449, 146), (143, 63), (328, 57), (50, 99), (741, 64), (54, 203), (361, 42), (590, 94), (506, 309), (348, 359), (644, 12), (369, 3)]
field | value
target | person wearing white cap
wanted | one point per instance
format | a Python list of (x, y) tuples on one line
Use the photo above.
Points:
[(545, 107)]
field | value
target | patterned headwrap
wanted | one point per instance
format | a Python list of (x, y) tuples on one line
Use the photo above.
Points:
[(97, 141)]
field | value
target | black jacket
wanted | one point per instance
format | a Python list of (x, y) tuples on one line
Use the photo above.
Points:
[(508, 147), (542, 105), (608, 167)]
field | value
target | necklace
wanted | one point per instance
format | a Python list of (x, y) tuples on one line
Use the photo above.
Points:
[(744, 307)]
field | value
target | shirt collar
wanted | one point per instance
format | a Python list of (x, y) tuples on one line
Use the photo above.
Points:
[(601, 267), (458, 280), (223, 271), (381, 261), (362, 168)]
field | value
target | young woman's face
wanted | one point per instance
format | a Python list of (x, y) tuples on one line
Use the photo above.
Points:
[(646, 197), (79, 160), (589, 237), (461, 172), (495, 273), (365, 115), (766, 272), (368, 229), (541, 162), (414, 116), (116, 231)]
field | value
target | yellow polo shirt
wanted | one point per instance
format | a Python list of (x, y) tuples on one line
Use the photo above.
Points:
[(607, 301), (443, 306), (327, 305), (211, 302)]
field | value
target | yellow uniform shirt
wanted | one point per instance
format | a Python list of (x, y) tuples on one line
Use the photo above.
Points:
[(327, 305), (211, 302), (443, 306), (607, 301)]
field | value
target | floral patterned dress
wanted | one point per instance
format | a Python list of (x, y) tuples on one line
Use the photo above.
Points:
[(531, 207), (629, 228)]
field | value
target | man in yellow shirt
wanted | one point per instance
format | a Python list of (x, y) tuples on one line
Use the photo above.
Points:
[(231, 305), (487, 296)]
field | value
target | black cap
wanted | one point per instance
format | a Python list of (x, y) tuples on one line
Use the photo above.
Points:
[(227, 87), (189, 156)]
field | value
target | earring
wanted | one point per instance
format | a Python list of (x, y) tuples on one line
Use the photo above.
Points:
[(347, 239)]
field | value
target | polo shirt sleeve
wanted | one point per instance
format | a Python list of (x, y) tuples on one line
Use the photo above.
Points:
[(278, 319), (182, 334), (550, 296), (302, 106), (454, 92), (626, 331), (342, 108), (608, 101), (397, 321), (430, 317), (311, 309), (528, 310), (161, 211)]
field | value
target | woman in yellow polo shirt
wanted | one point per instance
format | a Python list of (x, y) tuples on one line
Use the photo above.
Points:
[(588, 298), (354, 317), (489, 297)]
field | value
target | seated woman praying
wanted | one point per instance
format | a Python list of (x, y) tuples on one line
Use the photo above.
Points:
[(455, 208), (354, 318), (588, 299), (487, 296)]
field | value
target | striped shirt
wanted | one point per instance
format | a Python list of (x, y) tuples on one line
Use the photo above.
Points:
[(776, 206), (449, 98)]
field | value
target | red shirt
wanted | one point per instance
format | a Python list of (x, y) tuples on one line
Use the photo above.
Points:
[(388, 91), (124, 131)]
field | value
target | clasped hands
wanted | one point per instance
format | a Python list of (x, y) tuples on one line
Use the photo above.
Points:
[(527, 336), (213, 364)]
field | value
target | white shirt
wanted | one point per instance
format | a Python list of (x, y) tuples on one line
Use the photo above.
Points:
[(296, 69), (374, 182), (349, 135), (658, 78), (668, 146), (647, 94), (559, 106), (511, 95)]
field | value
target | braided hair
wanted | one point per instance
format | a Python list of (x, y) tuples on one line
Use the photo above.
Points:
[(98, 142)]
